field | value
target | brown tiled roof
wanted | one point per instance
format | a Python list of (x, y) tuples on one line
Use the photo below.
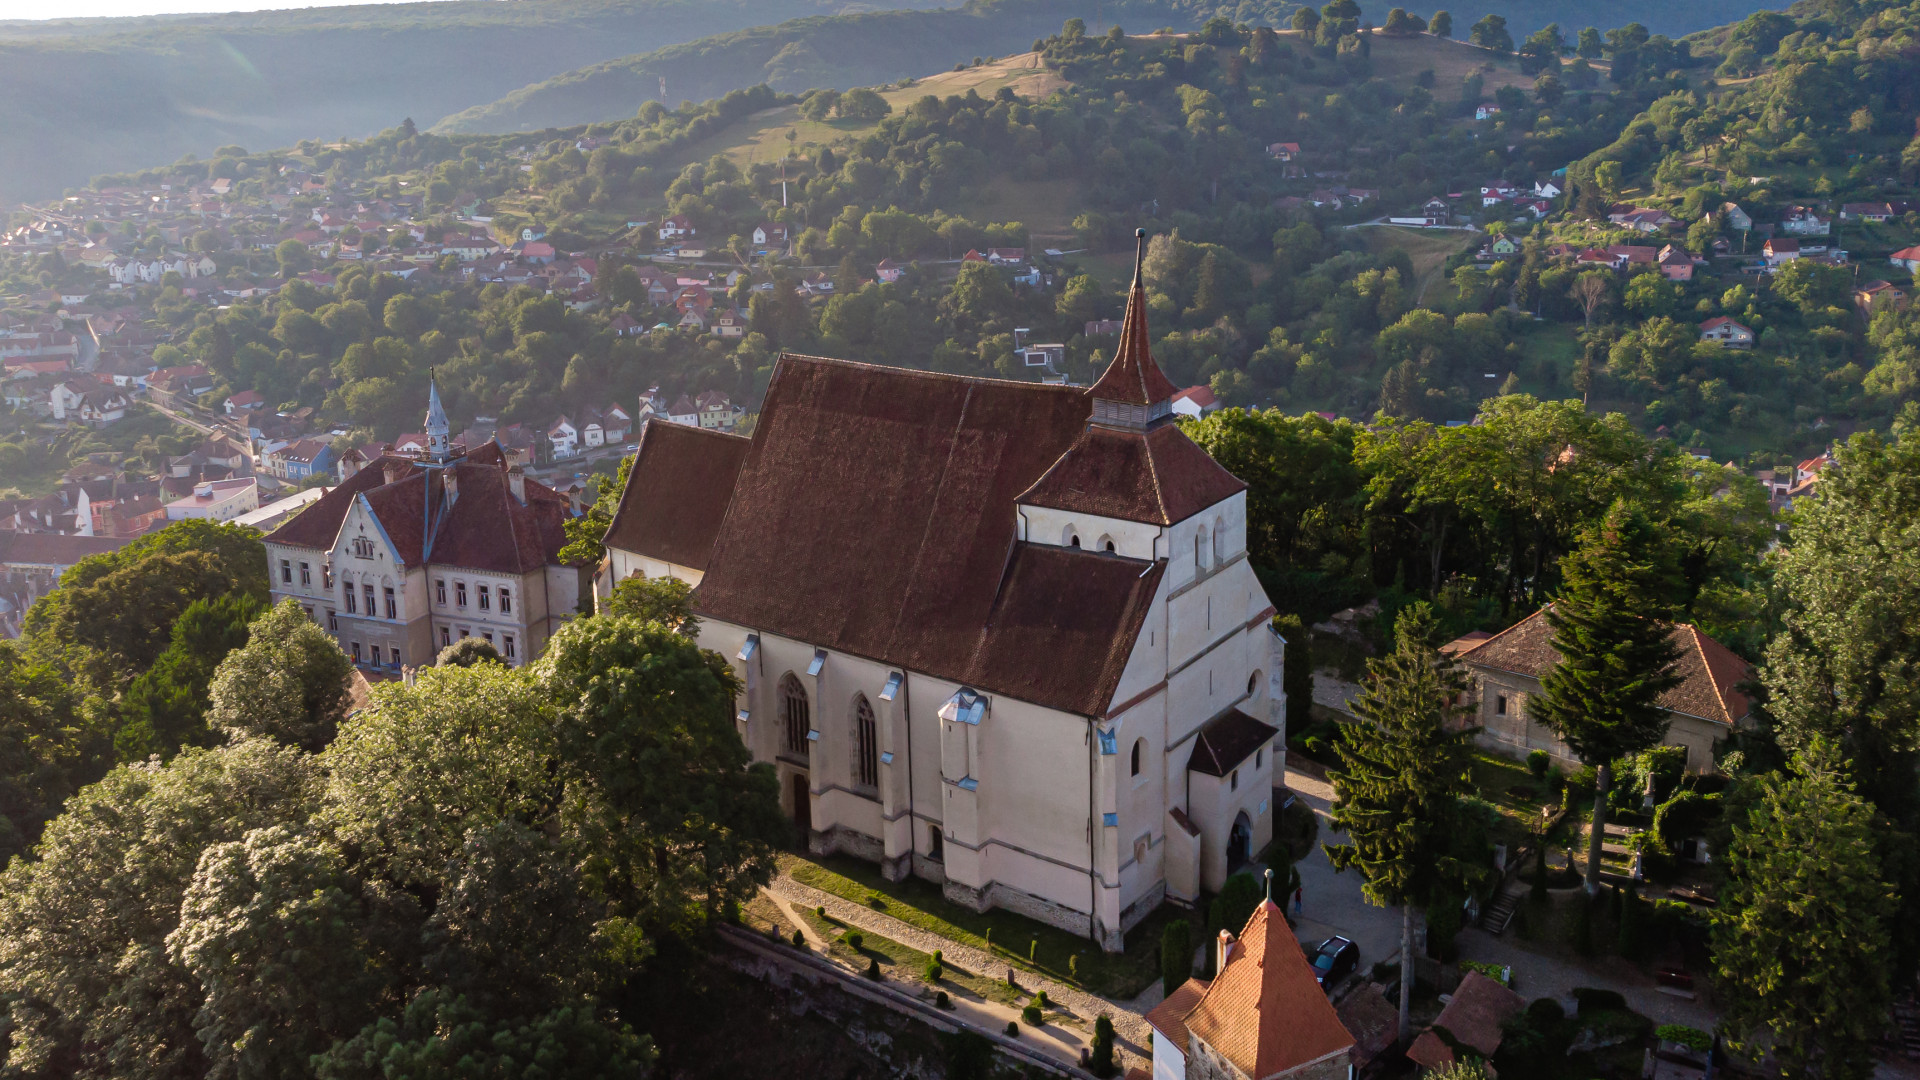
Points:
[(1133, 377), (1371, 1019), (874, 515), (1227, 741), (1158, 477), (1169, 1018), (677, 492), (1264, 1012), (1473, 1018), (1709, 672), (54, 549), (319, 524)]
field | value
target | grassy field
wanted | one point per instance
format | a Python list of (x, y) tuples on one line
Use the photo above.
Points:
[(1021, 941), (903, 963), (1429, 249), (1401, 60)]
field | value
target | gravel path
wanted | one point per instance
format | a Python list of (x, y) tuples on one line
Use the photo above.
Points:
[(1130, 1027)]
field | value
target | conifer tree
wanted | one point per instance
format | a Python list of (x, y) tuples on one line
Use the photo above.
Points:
[(1616, 653), (1802, 933), (1403, 770)]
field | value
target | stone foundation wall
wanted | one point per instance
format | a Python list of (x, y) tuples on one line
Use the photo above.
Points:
[(840, 840), (1143, 907), (1037, 908)]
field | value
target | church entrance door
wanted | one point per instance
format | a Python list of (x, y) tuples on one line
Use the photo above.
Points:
[(802, 807), (1239, 842)]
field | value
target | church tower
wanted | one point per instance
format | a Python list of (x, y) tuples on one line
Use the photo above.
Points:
[(439, 435), (1133, 394)]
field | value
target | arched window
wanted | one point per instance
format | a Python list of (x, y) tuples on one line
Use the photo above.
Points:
[(1219, 541), (1139, 747), (1200, 549), (866, 745), (1107, 545), (1074, 542), (1253, 685), (794, 716)]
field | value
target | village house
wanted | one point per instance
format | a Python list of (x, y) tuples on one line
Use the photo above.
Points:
[(1263, 1016), (1736, 218), (1780, 251), (1471, 1021), (300, 459), (1878, 294), (1506, 669), (769, 232), (995, 586), (676, 227), (1486, 112), (1283, 151), (1805, 221), (1725, 332), (217, 500), (1907, 258), (730, 324), (888, 271), (1196, 401), (563, 438), (1675, 264), (1865, 211), (410, 555)]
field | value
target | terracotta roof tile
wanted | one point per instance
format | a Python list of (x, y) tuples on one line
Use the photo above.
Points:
[(1227, 741), (54, 549), (1169, 1018), (1479, 1006), (1158, 477), (1264, 1012), (1709, 672), (1133, 377), (874, 514), (677, 492)]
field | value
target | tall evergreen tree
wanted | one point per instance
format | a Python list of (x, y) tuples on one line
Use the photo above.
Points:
[(1801, 936), (1616, 653), (1403, 770)]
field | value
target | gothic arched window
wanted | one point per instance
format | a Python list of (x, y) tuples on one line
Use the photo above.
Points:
[(1138, 746), (795, 718), (866, 745)]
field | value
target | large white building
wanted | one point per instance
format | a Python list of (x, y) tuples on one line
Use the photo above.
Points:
[(1000, 635), (409, 555)]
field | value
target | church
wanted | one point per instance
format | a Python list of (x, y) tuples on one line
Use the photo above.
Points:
[(414, 552), (1000, 635)]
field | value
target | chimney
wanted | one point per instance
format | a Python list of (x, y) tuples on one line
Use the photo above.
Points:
[(1225, 950), (517, 483), (395, 469)]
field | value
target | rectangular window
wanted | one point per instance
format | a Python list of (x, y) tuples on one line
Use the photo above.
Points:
[(393, 657), (306, 573), (1233, 781), (393, 610), (487, 636), (486, 599), (371, 609), (376, 654), (1500, 705), (353, 607), (333, 621), (506, 601), (286, 571), (308, 608), (440, 592), (356, 652), (326, 577), (446, 637), (936, 846), (460, 594), (506, 641)]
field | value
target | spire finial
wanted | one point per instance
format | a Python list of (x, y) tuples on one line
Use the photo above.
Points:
[(1269, 884), (1139, 254)]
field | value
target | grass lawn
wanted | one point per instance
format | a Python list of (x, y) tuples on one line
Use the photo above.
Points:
[(903, 963), (1428, 249), (762, 914), (1055, 953)]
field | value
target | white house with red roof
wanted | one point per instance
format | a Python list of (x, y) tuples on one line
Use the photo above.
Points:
[(1196, 401), (1263, 1016), (677, 227), (1725, 332), (945, 595)]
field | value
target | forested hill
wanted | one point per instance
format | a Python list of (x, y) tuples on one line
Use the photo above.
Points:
[(873, 48), (100, 95)]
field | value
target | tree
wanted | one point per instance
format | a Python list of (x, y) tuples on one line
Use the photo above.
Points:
[(1296, 679), (165, 707), (44, 752), (1441, 25), (863, 104), (1100, 1062), (288, 682), (1491, 33), (1589, 46), (1403, 770), (443, 1036), (1616, 652), (292, 257), (467, 652), (586, 534), (667, 601), (1590, 290), (1801, 935), (1176, 956), (1398, 24)]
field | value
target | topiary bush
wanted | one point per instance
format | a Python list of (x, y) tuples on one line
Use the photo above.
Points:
[(1031, 1016), (941, 1000), (799, 940), (854, 939), (1538, 762), (934, 971), (1100, 1061), (873, 969), (1041, 999), (1013, 1029)]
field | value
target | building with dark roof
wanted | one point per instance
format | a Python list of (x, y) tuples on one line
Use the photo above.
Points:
[(412, 553), (1001, 635), (1706, 707)]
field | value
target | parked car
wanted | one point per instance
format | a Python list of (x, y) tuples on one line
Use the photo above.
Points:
[(1333, 960)]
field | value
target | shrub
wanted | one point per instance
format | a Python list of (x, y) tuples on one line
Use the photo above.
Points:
[(1013, 1029), (873, 969), (1580, 926), (1592, 999), (1031, 1015), (1073, 966), (799, 940), (1633, 934), (821, 911), (1101, 1059), (855, 940), (934, 971), (1538, 762), (1042, 1000), (1691, 1038), (941, 1000), (1239, 897), (1176, 956)]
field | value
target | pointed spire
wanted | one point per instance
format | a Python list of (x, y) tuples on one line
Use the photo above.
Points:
[(439, 434), (1133, 378)]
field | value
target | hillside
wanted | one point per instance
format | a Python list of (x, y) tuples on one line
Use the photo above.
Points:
[(103, 95)]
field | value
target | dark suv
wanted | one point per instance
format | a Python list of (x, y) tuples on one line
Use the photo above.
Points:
[(1333, 960)]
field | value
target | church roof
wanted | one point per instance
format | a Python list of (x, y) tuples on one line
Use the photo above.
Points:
[(874, 514), (677, 492), (1264, 1012), (486, 528), (1156, 476), (1709, 672), (1133, 377), (1226, 742)]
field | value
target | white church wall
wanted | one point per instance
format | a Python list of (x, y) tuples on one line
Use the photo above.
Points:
[(1043, 525)]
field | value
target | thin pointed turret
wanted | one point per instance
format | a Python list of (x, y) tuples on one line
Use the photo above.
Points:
[(1133, 392), (439, 432)]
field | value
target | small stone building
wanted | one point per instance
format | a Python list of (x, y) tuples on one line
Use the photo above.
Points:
[(1507, 667)]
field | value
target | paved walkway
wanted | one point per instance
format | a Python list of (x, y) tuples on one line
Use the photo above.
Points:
[(1129, 1025)]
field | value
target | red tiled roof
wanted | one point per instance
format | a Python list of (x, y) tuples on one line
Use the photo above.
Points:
[(874, 514), (1133, 377), (53, 549), (1158, 477), (677, 492), (1264, 1012), (1169, 1018), (1708, 671), (1473, 1018)]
